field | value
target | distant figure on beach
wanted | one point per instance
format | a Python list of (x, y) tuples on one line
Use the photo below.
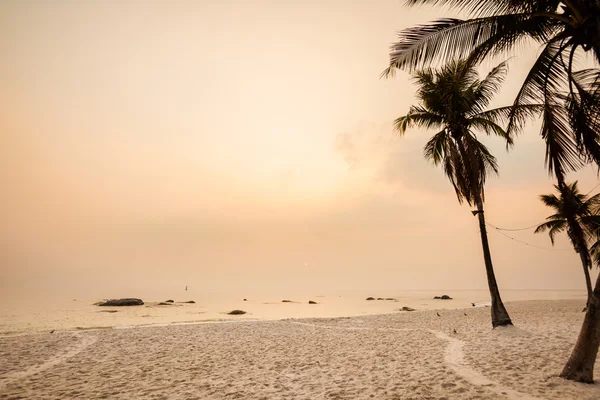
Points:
[(186, 287)]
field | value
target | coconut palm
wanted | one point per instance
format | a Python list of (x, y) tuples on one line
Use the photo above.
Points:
[(453, 100), (564, 28), (575, 213)]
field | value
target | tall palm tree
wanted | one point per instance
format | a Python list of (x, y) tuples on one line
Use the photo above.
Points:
[(564, 28), (575, 213), (454, 100)]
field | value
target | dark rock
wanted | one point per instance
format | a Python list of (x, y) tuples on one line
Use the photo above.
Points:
[(190, 302), (122, 302), (286, 301), (245, 299), (380, 298), (370, 298), (443, 297), (312, 302), (237, 312), (169, 301), (407, 309), (108, 311), (390, 298), (164, 303)]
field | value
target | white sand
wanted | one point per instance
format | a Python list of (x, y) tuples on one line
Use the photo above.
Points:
[(408, 355)]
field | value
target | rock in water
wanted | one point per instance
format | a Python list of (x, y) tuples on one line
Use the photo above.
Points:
[(370, 298), (312, 302), (190, 302), (443, 297), (122, 302), (237, 312), (286, 301), (169, 301), (164, 303), (407, 309)]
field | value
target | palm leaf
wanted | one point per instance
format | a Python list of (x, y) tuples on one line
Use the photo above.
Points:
[(417, 117)]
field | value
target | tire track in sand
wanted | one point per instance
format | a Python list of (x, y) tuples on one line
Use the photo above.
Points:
[(86, 340), (453, 357)]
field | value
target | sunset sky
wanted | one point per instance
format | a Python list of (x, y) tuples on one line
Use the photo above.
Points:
[(237, 145)]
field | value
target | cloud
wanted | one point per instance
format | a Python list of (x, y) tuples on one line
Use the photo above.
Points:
[(391, 160)]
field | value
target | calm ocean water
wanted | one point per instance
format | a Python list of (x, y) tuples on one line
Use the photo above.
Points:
[(67, 313)]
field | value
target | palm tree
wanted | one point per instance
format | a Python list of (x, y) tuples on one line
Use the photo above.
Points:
[(570, 121), (454, 100), (575, 214)]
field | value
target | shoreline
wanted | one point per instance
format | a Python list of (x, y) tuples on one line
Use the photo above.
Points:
[(80, 314), (254, 320)]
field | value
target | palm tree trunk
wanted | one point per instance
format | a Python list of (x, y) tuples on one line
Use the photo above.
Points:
[(579, 243), (580, 366), (588, 281), (499, 314)]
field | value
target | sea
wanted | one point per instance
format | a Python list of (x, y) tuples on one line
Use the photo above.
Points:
[(61, 312)]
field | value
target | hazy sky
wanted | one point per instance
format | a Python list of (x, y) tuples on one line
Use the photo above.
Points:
[(241, 145)]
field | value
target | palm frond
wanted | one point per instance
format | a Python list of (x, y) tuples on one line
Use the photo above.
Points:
[(435, 148), (450, 38), (488, 87), (544, 76), (553, 227), (551, 200), (417, 117), (492, 7), (491, 128), (562, 154), (583, 107), (519, 114)]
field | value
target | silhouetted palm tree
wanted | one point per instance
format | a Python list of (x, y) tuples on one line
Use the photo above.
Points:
[(454, 100), (570, 98), (575, 213)]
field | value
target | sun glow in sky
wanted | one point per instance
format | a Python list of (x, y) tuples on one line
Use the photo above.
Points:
[(240, 138)]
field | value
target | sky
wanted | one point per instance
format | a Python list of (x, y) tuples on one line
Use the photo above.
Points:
[(242, 145)]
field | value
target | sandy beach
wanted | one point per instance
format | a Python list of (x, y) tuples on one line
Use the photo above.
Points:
[(406, 355)]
